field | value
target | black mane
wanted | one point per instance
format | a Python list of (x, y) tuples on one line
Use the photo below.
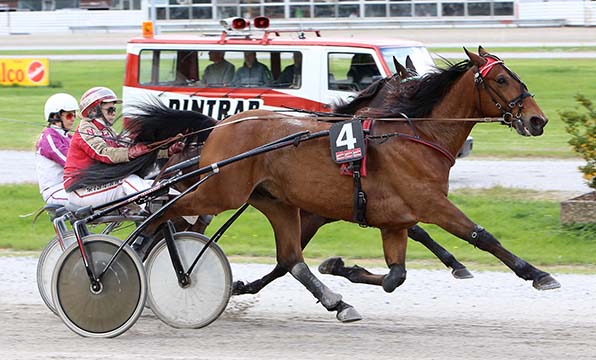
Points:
[(415, 97), (418, 98), (363, 98)]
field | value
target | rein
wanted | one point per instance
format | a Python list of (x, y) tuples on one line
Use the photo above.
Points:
[(417, 139), (382, 137)]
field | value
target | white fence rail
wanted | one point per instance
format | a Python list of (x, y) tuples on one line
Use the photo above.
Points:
[(529, 13), (575, 13)]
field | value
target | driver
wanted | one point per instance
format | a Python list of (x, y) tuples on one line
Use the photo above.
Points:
[(95, 140), (60, 112)]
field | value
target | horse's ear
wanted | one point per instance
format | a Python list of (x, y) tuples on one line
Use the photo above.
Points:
[(398, 67), (482, 52), (410, 65), (476, 59), (400, 70)]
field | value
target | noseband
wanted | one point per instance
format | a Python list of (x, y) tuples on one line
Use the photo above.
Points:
[(517, 102)]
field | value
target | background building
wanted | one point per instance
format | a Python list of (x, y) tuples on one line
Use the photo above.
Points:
[(31, 16)]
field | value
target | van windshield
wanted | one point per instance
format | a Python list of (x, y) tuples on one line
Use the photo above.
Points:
[(420, 56)]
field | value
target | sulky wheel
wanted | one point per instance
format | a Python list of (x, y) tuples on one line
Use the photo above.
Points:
[(46, 264), (208, 293), (116, 306)]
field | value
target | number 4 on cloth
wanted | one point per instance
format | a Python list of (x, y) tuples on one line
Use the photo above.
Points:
[(347, 141)]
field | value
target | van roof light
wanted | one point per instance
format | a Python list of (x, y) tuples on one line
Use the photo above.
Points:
[(261, 22), (234, 23)]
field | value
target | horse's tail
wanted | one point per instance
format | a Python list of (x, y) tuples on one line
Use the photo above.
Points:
[(149, 122), (100, 173), (153, 121)]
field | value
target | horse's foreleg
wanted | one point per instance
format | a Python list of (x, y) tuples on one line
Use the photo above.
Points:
[(458, 270), (309, 224), (394, 247), (454, 221)]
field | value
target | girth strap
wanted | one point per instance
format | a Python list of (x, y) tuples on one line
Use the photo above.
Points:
[(359, 195)]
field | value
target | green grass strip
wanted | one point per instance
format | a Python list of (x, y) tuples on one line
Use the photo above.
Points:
[(523, 222)]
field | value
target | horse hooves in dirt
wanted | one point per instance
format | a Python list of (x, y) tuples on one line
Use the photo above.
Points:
[(241, 288), (346, 313), (546, 282), (461, 273)]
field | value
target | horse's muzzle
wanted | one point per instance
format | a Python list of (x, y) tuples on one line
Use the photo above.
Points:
[(537, 124), (533, 127)]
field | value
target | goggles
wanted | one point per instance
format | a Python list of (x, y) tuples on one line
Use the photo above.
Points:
[(110, 110), (69, 115)]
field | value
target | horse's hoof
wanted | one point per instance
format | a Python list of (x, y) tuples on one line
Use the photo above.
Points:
[(546, 282), (238, 288), (348, 314), (462, 273), (330, 264)]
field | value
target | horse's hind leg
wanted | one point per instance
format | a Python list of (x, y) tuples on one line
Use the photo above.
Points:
[(458, 270), (286, 226), (357, 274), (454, 221), (309, 224)]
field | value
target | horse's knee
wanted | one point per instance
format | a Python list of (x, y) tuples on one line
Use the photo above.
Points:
[(395, 277), (482, 239)]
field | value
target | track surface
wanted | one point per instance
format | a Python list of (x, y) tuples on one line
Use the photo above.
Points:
[(432, 316)]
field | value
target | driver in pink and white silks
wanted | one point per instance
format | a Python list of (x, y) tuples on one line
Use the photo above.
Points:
[(51, 148)]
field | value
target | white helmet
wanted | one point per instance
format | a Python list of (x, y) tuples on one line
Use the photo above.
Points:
[(59, 102), (95, 96)]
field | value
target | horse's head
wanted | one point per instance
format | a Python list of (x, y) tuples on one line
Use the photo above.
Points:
[(502, 93)]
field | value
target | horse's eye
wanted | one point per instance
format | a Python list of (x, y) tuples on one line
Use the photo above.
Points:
[(501, 80)]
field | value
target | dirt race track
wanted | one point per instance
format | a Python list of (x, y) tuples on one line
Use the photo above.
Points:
[(432, 316)]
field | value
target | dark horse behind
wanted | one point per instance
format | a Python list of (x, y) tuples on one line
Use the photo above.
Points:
[(407, 178)]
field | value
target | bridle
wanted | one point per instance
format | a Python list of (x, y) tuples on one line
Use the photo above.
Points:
[(480, 73)]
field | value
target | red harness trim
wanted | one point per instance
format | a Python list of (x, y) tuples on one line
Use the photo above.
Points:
[(490, 63), (344, 168), (431, 145)]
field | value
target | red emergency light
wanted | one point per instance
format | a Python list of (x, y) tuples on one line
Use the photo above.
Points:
[(261, 22), (238, 23), (235, 23)]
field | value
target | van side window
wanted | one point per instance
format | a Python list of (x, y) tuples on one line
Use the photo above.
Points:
[(167, 67), (216, 68), (253, 72), (291, 75), (351, 71)]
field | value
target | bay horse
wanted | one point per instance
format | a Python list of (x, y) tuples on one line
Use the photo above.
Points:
[(372, 96), (310, 223), (407, 180)]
